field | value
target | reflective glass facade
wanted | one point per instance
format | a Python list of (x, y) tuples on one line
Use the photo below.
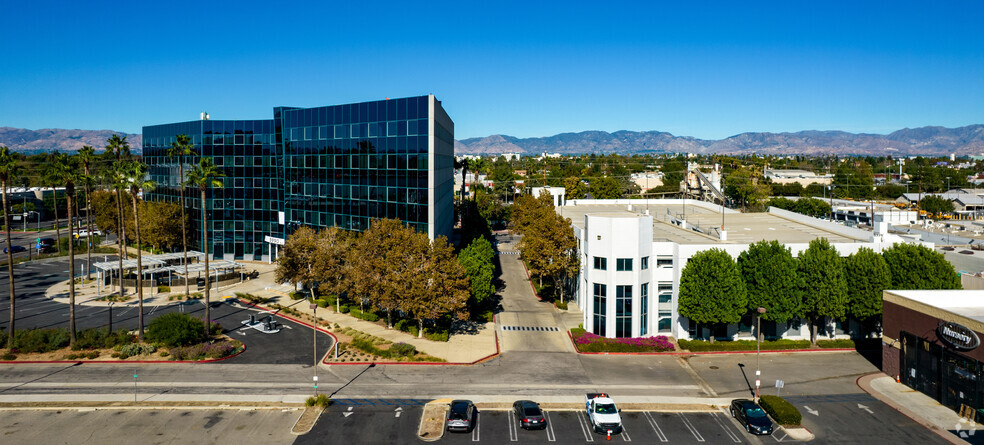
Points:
[(340, 165)]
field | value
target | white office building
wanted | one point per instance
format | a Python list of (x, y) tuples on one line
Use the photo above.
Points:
[(633, 251)]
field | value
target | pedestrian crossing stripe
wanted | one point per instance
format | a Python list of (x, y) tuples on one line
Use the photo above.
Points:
[(531, 328), (507, 252)]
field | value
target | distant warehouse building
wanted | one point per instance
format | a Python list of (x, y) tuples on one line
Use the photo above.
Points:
[(341, 165), (633, 251)]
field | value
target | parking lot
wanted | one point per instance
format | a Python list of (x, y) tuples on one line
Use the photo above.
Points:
[(640, 427)]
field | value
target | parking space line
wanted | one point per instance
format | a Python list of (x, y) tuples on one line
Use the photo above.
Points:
[(475, 431), (513, 434), (625, 434), (784, 435), (585, 429), (717, 418), (690, 426), (656, 428), (550, 432)]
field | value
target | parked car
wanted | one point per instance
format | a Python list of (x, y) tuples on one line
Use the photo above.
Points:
[(85, 233), (461, 416), (15, 249), (752, 416), (529, 415)]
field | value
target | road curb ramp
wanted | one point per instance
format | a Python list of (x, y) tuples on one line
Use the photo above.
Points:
[(307, 420), (431, 427)]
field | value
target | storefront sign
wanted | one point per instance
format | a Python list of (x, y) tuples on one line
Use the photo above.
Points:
[(958, 336)]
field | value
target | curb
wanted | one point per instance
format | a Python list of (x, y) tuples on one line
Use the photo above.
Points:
[(770, 351), (423, 417), (51, 406), (293, 428), (863, 382), (325, 357)]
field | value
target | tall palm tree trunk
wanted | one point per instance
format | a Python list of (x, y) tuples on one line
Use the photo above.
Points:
[(184, 230), (205, 249), (136, 229), (54, 199), (71, 275), (121, 236), (88, 228), (10, 265)]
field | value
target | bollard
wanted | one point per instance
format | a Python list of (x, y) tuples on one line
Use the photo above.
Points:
[(252, 320)]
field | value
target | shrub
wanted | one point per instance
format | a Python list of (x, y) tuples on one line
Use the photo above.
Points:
[(92, 355), (367, 316), (135, 349), (40, 340), (252, 298), (561, 304), (322, 303), (840, 343), (322, 400), (781, 410), (743, 345), (296, 295), (163, 288), (437, 336), (175, 329), (8, 356), (588, 342), (343, 309), (404, 349)]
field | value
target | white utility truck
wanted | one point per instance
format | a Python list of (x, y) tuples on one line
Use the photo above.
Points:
[(602, 413)]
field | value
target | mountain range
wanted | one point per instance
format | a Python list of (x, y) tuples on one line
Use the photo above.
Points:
[(930, 141)]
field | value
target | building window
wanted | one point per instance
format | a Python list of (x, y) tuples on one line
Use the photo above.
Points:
[(623, 311), (623, 264), (600, 310), (644, 308), (664, 262), (644, 263), (600, 263), (665, 324)]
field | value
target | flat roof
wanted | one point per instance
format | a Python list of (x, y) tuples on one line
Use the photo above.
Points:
[(742, 228), (965, 303)]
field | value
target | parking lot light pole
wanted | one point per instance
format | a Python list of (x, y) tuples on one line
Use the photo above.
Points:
[(758, 351), (314, 307)]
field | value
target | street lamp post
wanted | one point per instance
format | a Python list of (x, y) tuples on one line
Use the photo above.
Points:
[(314, 307), (758, 351), (110, 316)]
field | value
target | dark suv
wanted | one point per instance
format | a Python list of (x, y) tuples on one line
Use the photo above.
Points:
[(461, 416), (47, 245)]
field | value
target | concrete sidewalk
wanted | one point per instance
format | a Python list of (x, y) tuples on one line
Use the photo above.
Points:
[(921, 408), (468, 347)]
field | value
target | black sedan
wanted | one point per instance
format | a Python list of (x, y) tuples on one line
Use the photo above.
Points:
[(529, 415), (15, 249), (752, 416)]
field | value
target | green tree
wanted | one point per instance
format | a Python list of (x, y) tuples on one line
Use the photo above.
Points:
[(86, 156), (296, 262), (914, 266), (50, 177), (936, 204), (7, 169), (440, 288), (605, 188), (824, 285), (161, 224), (574, 188), (203, 175), (377, 260), (333, 246), (867, 276), (770, 274), (136, 180), (745, 186), (814, 207), (711, 289), (64, 171), (477, 259), (180, 148), (853, 179)]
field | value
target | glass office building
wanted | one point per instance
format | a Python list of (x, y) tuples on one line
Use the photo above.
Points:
[(341, 165)]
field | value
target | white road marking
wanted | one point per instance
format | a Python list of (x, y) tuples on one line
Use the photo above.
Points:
[(860, 406), (784, 435), (652, 422), (513, 435), (475, 431), (625, 434), (585, 429), (731, 434), (815, 412), (550, 432), (399, 411), (690, 426)]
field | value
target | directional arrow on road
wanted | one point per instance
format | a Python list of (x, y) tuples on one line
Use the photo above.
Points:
[(860, 406), (348, 413), (815, 412), (399, 411)]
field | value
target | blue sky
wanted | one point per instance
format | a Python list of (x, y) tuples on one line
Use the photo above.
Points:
[(704, 69)]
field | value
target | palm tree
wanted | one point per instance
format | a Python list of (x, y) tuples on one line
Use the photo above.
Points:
[(86, 155), (117, 177), (136, 174), (119, 147), (7, 165), (64, 169), (51, 180), (179, 149), (204, 175)]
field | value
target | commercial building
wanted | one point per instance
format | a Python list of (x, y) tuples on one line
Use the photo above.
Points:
[(931, 342), (341, 165), (633, 251)]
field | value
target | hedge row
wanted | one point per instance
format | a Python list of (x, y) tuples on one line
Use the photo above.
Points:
[(367, 316), (47, 340), (768, 345), (781, 410)]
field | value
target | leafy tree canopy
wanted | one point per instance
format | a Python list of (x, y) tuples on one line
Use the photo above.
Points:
[(711, 289)]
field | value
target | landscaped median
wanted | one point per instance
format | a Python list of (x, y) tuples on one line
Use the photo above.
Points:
[(587, 342), (170, 337), (787, 415)]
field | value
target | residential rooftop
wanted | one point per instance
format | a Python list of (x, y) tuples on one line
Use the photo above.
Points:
[(705, 219)]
